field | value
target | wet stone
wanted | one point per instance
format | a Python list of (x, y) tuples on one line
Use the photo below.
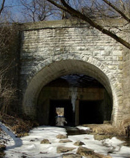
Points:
[(62, 149), (79, 143), (61, 136), (65, 141), (90, 153), (70, 155), (84, 151), (45, 141)]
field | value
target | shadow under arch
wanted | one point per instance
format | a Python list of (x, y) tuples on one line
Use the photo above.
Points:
[(48, 71)]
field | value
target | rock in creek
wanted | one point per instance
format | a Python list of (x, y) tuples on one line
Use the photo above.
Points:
[(61, 136), (65, 141), (90, 153), (79, 143), (70, 155), (62, 149), (45, 141)]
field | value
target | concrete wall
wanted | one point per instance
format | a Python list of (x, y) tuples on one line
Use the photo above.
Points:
[(52, 49)]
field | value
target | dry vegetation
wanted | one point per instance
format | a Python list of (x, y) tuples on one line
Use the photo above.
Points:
[(8, 66), (108, 129), (20, 126)]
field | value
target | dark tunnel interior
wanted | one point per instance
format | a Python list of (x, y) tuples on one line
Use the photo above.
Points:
[(93, 105)]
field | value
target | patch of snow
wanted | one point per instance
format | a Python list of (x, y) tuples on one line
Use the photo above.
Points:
[(31, 147), (83, 128)]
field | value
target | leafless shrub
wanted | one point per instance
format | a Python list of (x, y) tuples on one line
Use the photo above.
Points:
[(7, 95), (8, 44)]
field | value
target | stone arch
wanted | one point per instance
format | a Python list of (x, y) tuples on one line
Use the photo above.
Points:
[(61, 65)]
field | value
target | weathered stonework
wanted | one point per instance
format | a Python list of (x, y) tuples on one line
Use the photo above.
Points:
[(53, 49), (125, 108)]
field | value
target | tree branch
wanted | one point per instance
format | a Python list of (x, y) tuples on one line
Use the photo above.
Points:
[(117, 10), (2, 6), (85, 18), (57, 5)]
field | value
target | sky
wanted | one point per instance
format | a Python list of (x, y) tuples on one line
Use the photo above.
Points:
[(13, 8), (12, 3)]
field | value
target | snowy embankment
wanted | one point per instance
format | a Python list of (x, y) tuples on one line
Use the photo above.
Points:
[(31, 147)]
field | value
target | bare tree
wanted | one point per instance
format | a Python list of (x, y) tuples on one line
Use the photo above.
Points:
[(37, 10), (5, 12), (2, 6), (7, 62), (7, 92), (78, 11), (7, 66)]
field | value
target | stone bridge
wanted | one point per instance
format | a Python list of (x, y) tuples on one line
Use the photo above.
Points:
[(53, 49)]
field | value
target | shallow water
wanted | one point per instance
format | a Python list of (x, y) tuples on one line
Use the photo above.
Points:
[(75, 131)]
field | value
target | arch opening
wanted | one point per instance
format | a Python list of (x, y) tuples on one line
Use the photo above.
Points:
[(59, 70)]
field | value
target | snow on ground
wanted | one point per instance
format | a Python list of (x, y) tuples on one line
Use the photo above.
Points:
[(31, 147), (83, 128)]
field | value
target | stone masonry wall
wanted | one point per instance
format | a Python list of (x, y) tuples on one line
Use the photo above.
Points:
[(52, 49), (126, 85)]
